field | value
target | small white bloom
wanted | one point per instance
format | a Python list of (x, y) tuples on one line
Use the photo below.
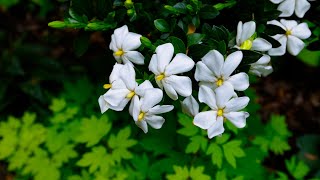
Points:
[(213, 71), (145, 111), (245, 38), (291, 40), (287, 7), (190, 106), (123, 43), (223, 106), (125, 89), (262, 67), (165, 71)]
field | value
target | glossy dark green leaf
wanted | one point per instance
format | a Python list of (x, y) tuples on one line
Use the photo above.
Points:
[(197, 51), (178, 44), (208, 12), (195, 38), (162, 25), (275, 43)]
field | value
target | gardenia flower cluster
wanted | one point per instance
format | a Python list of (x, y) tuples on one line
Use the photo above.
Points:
[(215, 74)]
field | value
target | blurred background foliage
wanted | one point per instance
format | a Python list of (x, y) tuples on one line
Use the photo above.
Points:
[(51, 126)]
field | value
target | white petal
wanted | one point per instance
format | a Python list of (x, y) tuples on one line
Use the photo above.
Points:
[(289, 24), (181, 63), (140, 90), (115, 72), (240, 81), (279, 51), (120, 34), (301, 31), (287, 8), (276, 23), (237, 118), (214, 61), (248, 29), (170, 91), (217, 128), (153, 65), (131, 41), (260, 44), (190, 106), (128, 76), (207, 96), (155, 121), (113, 44), (210, 85), (134, 56), (231, 63), (205, 120), (239, 33), (164, 55), (134, 108), (121, 106), (265, 59), (203, 73), (302, 6), (159, 83), (118, 58), (115, 96), (151, 98), (236, 104), (103, 104), (276, 1), (223, 94), (118, 84), (295, 45), (181, 84), (261, 70), (158, 109), (143, 125)]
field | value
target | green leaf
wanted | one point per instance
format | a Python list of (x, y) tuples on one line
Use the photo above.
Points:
[(232, 150), (181, 173), (197, 173), (208, 12), (179, 46), (57, 105), (97, 158), (278, 123), (196, 143), (188, 128), (221, 175), (223, 138), (81, 44), (197, 51), (297, 169), (120, 144), (162, 25), (93, 129), (216, 154), (279, 145), (195, 38)]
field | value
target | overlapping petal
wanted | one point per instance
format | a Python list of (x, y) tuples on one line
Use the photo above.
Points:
[(217, 128), (205, 120), (181, 63)]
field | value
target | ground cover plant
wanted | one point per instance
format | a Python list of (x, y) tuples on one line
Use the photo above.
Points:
[(169, 94)]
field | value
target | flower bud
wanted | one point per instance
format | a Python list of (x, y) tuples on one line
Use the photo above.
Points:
[(57, 24)]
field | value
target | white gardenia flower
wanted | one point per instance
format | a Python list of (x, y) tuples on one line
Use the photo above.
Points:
[(223, 107), (262, 67), (145, 111), (123, 43), (126, 89), (165, 69), (291, 40), (114, 82), (213, 71), (287, 7), (190, 106), (245, 38)]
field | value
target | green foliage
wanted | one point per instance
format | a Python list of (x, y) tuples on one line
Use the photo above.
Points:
[(298, 169), (182, 173)]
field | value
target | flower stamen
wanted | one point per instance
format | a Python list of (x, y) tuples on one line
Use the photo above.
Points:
[(219, 82), (107, 86), (120, 52), (141, 116), (288, 33), (130, 95), (220, 112), (160, 77), (246, 45)]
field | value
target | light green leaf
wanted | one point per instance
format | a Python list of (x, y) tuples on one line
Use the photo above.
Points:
[(297, 169), (93, 129), (278, 123), (222, 139), (57, 105), (197, 173), (279, 145), (188, 128), (216, 154), (231, 150), (196, 143), (221, 175), (181, 173), (162, 25)]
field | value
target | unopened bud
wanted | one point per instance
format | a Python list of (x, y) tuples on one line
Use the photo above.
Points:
[(57, 24)]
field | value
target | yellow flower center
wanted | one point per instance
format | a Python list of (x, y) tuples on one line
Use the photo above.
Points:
[(220, 112), (219, 82), (288, 33), (246, 45), (160, 77), (120, 52), (141, 116), (130, 95), (107, 86)]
